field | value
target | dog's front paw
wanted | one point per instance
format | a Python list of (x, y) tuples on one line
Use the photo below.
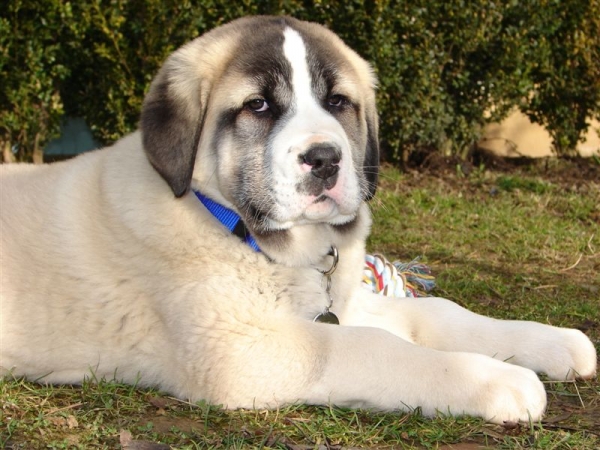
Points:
[(562, 354), (507, 393), (582, 357)]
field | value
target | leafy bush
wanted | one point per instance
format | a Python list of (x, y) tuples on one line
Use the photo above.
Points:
[(31, 74), (445, 68), (564, 66)]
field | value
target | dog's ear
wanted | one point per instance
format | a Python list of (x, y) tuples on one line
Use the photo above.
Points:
[(371, 161), (171, 119), (175, 106), (170, 131)]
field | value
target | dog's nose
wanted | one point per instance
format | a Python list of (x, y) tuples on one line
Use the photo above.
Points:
[(323, 160)]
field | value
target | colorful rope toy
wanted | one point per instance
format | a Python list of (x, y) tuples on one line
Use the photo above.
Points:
[(397, 279)]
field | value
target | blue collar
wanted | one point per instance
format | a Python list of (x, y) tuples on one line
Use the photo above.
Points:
[(230, 219)]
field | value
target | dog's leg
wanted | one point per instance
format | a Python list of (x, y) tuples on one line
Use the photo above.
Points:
[(368, 367), (438, 323), (399, 375)]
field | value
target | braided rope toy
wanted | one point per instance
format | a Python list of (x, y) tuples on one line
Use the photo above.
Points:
[(397, 279)]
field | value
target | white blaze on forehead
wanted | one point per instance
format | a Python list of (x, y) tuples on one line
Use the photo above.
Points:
[(295, 52), (309, 120)]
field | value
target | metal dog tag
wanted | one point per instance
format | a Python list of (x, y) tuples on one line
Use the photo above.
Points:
[(327, 317)]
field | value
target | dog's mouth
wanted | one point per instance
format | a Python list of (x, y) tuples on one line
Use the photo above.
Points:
[(321, 209)]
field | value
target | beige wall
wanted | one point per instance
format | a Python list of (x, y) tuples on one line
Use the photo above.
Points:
[(518, 136)]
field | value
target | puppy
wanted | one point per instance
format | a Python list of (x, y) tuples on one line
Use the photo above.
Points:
[(212, 252)]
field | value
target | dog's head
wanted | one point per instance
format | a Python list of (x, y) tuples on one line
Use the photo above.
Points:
[(270, 116)]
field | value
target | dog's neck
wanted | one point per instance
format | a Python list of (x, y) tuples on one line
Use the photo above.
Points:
[(271, 244), (234, 223), (230, 219)]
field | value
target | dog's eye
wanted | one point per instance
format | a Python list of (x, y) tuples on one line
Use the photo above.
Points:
[(258, 105), (337, 101)]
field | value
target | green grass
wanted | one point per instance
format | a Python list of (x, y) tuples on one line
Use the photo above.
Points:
[(516, 245)]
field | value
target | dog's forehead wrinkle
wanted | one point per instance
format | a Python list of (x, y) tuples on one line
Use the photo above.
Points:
[(259, 55)]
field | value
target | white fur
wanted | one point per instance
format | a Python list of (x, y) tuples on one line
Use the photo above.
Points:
[(105, 273)]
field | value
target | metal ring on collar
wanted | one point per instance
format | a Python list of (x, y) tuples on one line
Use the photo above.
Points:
[(333, 251)]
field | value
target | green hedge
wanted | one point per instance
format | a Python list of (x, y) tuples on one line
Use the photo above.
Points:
[(445, 67)]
